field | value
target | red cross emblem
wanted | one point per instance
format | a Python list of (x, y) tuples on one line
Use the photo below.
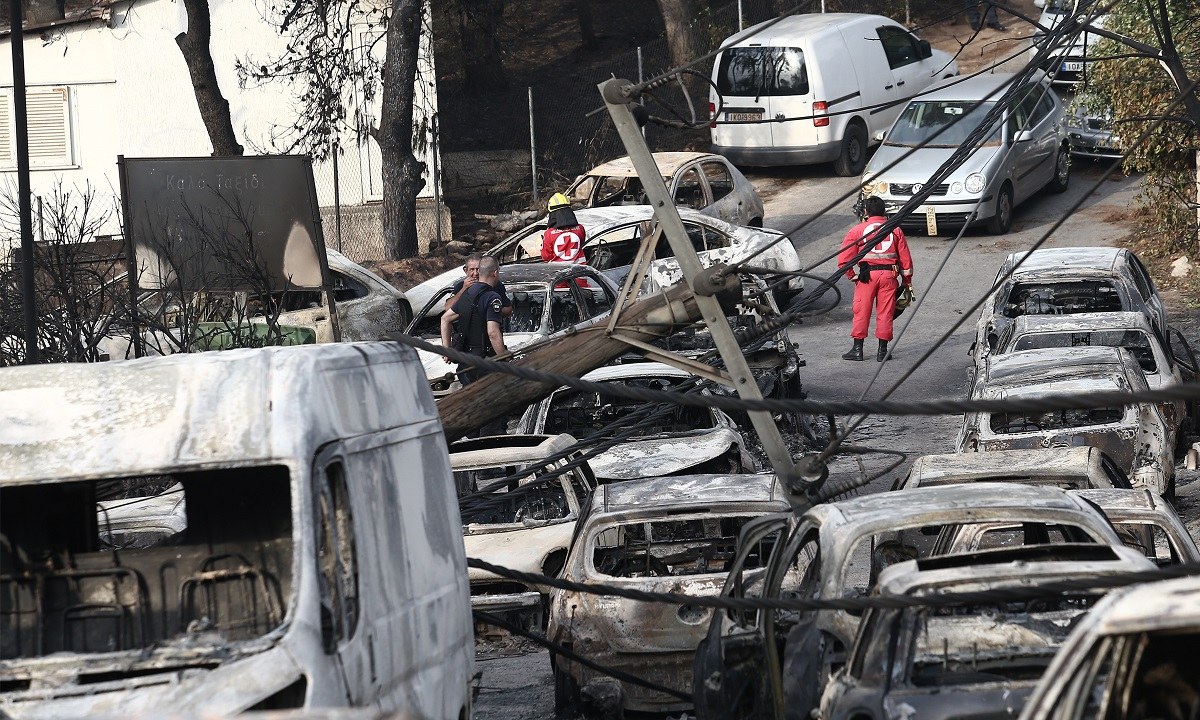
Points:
[(566, 246)]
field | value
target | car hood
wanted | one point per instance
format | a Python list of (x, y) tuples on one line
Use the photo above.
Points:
[(772, 255), (418, 295), (515, 546), (666, 455), (920, 166)]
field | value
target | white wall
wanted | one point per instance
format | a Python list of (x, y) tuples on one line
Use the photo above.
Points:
[(130, 94)]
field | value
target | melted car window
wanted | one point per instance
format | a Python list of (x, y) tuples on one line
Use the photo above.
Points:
[(1063, 298), (529, 308), (582, 413), (672, 548), (500, 495), (1011, 423), (1136, 341)]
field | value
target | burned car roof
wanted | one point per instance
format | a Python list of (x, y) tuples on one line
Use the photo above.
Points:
[(1027, 367), (1140, 499), (668, 163), (1065, 262), (1033, 463), (653, 494), (977, 501), (1171, 603), (506, 449), (1081, 322)]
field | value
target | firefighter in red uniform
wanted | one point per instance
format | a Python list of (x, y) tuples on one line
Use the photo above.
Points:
[(564, 236), (875, 277)]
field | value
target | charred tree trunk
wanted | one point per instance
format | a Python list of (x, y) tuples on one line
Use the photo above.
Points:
[(587, 32), (478, 29), (403, 174), (683, 35), (214, 108)]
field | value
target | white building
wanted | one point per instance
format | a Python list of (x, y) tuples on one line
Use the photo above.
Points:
[(109, 80)]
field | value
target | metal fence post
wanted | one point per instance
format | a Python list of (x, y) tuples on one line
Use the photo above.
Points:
[(532, 150), (437, 186), (337, 198), (741, 21), (639, 56)]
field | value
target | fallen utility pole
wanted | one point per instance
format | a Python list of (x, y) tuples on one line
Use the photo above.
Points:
[(575, 353)]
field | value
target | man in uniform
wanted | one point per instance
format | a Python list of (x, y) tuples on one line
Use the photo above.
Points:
[(875, 277), (479, 313), (470, 277)]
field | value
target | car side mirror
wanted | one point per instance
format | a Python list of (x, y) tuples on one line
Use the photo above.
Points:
[(926, 50), (1023, 136), (879, 135)]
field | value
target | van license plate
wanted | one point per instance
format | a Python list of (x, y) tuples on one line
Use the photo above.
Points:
[(744, 116), (1073, 66), (931, 221)]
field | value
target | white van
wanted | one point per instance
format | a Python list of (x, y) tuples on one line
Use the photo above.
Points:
[(229, 531), (816, 88), (1067, 61)]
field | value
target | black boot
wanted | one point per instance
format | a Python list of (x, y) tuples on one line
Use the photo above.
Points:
[(883, 352), (855, 352)]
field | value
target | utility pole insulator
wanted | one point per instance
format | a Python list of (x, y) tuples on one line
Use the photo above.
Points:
[(617, 91), (715, 279)]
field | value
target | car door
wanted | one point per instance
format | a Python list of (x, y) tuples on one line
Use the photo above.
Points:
[(745, 83), (689, 190), (724, 202), (1030, 127), (593, 296), (1155, 309), (309, 309), (909, 72)]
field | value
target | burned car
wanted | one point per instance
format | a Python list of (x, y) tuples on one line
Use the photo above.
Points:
[(979, 659), (518, 512), (1066, 281), (546, 298), (1139, 437), (1131, 658), (700, 181), (1146, 523), (676, 534), (677, 439), (614, 235), (750, 663), (1069, 468), (1129, 330)]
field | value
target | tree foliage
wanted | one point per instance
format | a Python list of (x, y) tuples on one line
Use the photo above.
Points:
[(1139, 90)]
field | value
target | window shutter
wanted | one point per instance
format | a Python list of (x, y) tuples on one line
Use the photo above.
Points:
[(8, 155), (49, 128)]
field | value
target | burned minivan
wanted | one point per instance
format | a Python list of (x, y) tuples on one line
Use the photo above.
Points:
[(229, 531)]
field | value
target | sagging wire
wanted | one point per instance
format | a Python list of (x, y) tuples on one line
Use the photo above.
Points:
[(557, 649), (970, 312), (1050, 402), (725, 602)]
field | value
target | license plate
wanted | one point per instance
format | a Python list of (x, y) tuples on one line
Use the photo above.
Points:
[(744, 116), (931, 221), (1073, 66)]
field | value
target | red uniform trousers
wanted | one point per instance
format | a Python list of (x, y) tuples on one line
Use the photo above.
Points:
[(880, 292)]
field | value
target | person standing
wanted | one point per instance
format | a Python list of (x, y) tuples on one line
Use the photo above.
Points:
[(564, 237), (989, 15), (469, 278), (479, 314), (875, 277)]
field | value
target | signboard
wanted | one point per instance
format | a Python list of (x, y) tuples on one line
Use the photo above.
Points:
[(223, 224)]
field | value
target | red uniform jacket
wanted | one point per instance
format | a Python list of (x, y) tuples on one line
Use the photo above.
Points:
[(564, 244), (891, 250)]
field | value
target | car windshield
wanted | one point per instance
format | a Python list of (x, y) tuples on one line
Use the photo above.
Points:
[(136, 563), (940, 124), (1136, 341), (1062, 298), (582, 413), (758, 71), (673, 548), (504, 494), (1012, 423), (529, 308)]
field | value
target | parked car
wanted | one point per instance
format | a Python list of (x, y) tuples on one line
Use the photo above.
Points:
[(1129, 659), (686, 439), (1025, 151), (1091, 133), (700, 181), (1068, 59), (319, 537), (1146, 523), (1066, 281), (979, 659), (615, 233), (1129, 330), (837, 550), (1139, 437), (675, 534), (513, 518), (816, 87), (1069, 468), (546, 298)]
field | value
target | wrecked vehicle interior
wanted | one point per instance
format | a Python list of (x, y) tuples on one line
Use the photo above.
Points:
[(673, 548), (1063, 298), (73, 584)]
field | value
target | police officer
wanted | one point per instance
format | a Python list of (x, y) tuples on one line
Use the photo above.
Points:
[(479, 313), (875, 277)]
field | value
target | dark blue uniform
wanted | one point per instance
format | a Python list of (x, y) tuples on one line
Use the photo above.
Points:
[(479, 305)]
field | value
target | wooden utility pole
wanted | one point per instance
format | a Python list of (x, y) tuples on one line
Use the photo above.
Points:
[(589, 347)]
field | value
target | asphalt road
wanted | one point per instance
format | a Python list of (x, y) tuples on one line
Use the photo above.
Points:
[(522, 687)]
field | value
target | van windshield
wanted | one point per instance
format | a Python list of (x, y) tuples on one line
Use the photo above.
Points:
[(940, 124), (199, 558), (757, 71)]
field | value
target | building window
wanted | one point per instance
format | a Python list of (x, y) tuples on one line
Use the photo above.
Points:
[(49, 116)]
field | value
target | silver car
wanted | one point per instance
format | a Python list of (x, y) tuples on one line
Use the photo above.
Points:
[(1027, 150), (700, 181)]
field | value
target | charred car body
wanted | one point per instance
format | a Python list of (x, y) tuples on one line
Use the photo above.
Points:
[(676, 440), (775, 664), (519, 508), (1146, 523), (1139, 437), (675, 534), (1072, 468), (289, 574), (974, 660)]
